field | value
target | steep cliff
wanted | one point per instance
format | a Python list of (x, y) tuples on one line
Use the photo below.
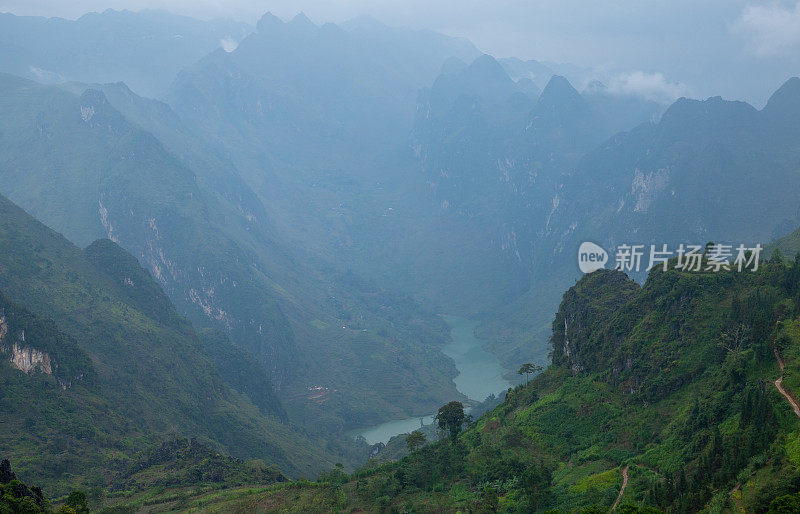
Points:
[(586, 307)]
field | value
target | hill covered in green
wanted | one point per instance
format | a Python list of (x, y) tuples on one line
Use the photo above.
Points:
[(662, 397), (98, 366), (16, 496), (789, 245)]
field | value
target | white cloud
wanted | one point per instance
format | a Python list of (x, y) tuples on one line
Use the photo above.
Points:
[(228, 44), (45, 76), (770, 29), (652, 86)]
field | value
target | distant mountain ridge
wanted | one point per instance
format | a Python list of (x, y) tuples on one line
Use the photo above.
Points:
[(146, 51)]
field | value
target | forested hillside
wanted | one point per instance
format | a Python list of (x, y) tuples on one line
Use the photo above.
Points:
[(97, 366), (663, 396)]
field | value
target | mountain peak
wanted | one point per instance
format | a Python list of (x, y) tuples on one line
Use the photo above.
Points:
[(486, 70), (786, 98), (558, 87), (487, 64), (484, 78), (301, 20), (267, 22), (559, 93), (687, 118)]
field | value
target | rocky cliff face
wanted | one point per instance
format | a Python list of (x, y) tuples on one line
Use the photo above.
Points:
[(23, 357), (28, 360), (34, 345)]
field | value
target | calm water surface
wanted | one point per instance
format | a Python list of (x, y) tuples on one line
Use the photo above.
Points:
[(479, 375)]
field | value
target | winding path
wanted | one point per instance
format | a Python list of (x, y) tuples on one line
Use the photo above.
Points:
[(737, 498), (779, 385), (621, 489)]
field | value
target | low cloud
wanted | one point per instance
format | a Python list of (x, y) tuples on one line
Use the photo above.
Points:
[(45, 76), (770, 29), (652, 86), (228, 44)]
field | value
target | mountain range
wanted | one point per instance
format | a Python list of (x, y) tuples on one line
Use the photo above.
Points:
[(228, 247)]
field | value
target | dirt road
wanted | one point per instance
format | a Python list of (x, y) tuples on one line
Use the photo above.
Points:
[(779, 385), (621, 489)]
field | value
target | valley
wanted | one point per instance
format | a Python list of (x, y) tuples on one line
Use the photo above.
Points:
[(226, 248)]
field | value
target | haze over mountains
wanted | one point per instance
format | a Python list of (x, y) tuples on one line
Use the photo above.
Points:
[(145, 50), (247, 234)]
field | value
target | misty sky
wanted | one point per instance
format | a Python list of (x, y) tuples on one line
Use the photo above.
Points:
[(737, 49)]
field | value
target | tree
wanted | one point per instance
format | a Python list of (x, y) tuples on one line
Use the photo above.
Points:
[(451, 418), (415, 440), (785, 504), (529, 368), (736, 338), (777, 257), (77, 502)]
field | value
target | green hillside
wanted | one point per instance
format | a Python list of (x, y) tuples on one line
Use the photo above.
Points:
[(668, 388), (118, 368), (16, 496), (789, 245)]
